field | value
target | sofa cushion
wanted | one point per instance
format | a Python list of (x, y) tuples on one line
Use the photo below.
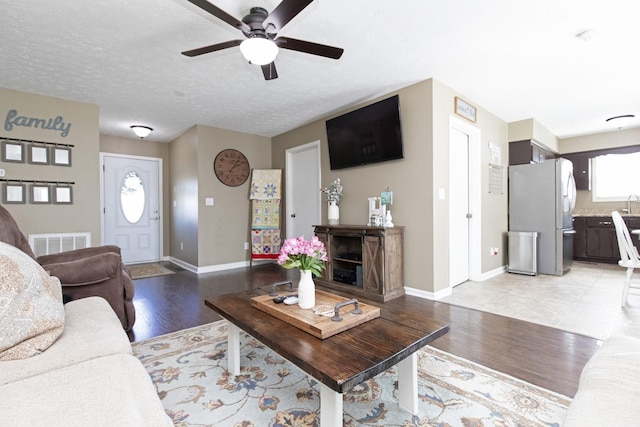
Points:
[(31, 309), (609, 392), (108, 391), (91, 330)]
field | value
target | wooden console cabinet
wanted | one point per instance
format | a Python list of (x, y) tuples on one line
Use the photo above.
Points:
[(363, 260)]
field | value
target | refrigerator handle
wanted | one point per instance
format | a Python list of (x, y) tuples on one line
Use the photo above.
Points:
[(571, 191), (569, 232)]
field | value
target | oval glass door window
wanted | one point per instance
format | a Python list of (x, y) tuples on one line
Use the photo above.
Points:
[(132, 197)]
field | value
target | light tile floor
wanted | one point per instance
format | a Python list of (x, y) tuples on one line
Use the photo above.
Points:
[(586, 300)]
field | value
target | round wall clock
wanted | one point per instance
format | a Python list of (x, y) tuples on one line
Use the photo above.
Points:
[(231, 167)]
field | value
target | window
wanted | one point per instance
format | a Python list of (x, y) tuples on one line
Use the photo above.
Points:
[(615, 177), (132, 198)]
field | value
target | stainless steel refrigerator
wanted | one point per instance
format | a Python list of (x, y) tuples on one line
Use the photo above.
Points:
[(542, 198)]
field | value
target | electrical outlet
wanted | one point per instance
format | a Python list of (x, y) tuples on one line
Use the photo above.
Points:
[(181, 246), (246, 246), (494, 251)]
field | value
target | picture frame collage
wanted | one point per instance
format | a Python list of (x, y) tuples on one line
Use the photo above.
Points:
[(36, 153), (15, 191)]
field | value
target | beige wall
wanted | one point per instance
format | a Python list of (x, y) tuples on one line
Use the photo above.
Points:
[(84, 214), (531, 129), (145, 148), (425, 109), (183, 197), (618, 138), (224, 227), (494, 219)]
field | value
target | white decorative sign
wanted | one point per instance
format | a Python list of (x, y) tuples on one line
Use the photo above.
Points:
[(466, 110)]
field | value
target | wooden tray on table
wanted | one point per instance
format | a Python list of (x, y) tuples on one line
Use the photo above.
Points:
[(317, 325)]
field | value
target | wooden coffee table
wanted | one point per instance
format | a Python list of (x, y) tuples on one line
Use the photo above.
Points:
[(339, 362)]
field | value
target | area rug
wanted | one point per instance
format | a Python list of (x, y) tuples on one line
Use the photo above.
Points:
[(188, 368), (140, 271)]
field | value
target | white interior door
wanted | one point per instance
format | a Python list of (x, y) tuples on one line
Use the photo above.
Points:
[(303, 189), (465, 180), (131, 206), (459, 212)]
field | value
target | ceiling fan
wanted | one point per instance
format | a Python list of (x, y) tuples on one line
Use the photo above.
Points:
[(261, 31)]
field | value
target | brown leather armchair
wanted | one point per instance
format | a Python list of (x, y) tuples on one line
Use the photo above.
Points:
[(96, 271)]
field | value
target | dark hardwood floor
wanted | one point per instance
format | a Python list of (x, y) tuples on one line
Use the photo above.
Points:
[(548, 357)]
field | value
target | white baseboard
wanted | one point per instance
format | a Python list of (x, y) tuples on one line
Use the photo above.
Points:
[(448, 291), (214, 268), (427, 294), (490, 274)]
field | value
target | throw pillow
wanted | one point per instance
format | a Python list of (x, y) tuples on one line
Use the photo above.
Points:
[(31, 309)]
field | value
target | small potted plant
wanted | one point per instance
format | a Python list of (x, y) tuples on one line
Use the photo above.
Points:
[(334, 194), (308, 256)]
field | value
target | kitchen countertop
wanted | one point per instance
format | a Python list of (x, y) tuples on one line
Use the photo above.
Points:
[(603, 213)]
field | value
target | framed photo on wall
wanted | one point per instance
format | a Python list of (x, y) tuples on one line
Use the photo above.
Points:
[(13, 193), (40, 193), (61, 156), (62, 195), (38, 155), (12, 152)]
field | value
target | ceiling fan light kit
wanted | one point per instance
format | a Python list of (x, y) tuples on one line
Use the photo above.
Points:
[(259, 51), (260, 28)]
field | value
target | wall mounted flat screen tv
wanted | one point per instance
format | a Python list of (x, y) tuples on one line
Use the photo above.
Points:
[(370, 134)]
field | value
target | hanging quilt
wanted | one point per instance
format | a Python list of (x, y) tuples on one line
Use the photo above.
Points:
[(265, 197)]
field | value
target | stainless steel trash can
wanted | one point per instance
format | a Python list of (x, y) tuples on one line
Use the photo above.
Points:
[(523, 252)]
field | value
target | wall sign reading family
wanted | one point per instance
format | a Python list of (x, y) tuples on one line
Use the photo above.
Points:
[(55, 124)]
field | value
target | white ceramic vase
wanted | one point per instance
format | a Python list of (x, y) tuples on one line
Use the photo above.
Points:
[(306, 290), (333, 213)]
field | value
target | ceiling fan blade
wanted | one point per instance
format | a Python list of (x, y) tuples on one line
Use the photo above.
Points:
[(269, 71), (211, 48), (220, 14), (283, 13), (309, 47)]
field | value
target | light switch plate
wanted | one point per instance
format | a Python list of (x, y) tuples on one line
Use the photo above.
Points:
[(208, 201)]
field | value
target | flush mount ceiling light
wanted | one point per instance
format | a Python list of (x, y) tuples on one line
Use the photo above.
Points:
[(586, 35), (259, 51), (621, 121), (141, 131)]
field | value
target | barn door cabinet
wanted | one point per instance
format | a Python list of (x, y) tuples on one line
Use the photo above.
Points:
[(362, 260)]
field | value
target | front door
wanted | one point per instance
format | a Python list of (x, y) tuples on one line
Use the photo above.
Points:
[(303, 189), (132, 206)]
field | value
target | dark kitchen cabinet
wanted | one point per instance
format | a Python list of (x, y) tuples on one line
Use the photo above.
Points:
[(596, 240), (525, 152), (580, 238), (581, 169)]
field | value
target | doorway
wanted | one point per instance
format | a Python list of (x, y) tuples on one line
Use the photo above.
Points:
[(464, 202), (303, 189), (131, 206)]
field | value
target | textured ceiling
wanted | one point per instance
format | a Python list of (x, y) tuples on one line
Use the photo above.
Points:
[(517, 59)]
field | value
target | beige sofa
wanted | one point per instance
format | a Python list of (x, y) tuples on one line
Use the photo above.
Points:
[(609, 389), (88, 376)]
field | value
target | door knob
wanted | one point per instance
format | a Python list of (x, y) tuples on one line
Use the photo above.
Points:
[(155, 218)]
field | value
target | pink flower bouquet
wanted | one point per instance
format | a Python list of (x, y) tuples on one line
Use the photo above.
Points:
[(303, 254)]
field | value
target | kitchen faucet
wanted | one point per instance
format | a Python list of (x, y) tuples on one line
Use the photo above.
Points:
[(629, 202)]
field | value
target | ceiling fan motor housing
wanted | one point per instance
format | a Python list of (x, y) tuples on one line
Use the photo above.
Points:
[(254, 20)]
